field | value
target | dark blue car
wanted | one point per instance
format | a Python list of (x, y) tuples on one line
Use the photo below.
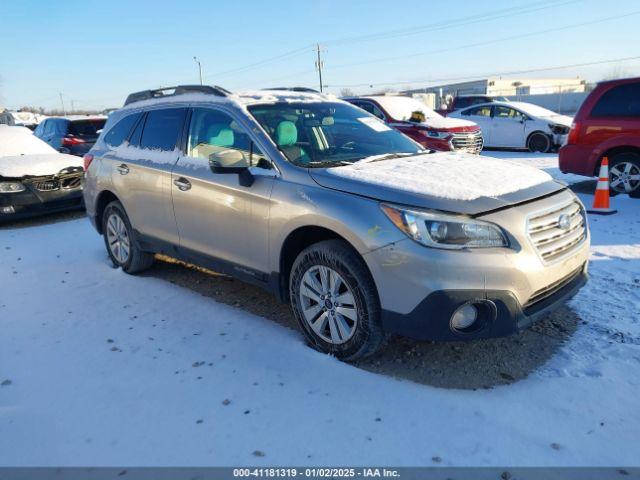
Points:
[(74, 134)]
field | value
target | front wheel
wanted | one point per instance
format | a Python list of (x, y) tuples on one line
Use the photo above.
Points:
[(624, 174), (119, 238), (539, 142), (335, 301)]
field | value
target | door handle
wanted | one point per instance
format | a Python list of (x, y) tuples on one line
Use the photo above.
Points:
[(123, 169), (182, 183)]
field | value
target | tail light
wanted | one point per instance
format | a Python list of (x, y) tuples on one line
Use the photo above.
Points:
[(574, 134), (88, 158), (70, 140)]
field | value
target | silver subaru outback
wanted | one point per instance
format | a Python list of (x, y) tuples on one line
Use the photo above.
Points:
[(365, 233)]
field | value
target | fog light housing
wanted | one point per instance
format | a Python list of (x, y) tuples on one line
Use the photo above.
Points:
[(464, 317), (7, 210)]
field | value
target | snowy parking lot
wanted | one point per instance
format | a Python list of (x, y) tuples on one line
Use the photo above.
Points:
[(178, 367)]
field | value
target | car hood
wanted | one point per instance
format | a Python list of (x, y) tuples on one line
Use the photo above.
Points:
[(37, 165), (559, 119), (451, 182), (445, 123)]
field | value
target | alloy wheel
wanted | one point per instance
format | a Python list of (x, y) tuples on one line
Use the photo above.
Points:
[(624, 177), (118, 238), (328, 304)]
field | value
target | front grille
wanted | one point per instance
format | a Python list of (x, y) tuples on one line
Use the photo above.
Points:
[(559, 231), (47, 185), (467, 142), (554, 287)]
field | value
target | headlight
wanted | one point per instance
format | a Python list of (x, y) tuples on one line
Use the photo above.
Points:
[(434, 134), (11, 187), (445, 231), (558, 129)]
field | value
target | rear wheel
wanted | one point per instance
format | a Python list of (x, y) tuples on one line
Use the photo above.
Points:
[(119, 238), (624, 174), (335, 301), (539, 142)]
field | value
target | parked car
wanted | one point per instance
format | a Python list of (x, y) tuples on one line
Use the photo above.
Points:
[(420, 123), (326, 206), (21, 119), (607, 125), (518, 125), (463, 101), (34, 178), (74, 134)]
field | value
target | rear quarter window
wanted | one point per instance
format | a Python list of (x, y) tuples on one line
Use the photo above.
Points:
[(162, 129), (620, 101), (121, 130)]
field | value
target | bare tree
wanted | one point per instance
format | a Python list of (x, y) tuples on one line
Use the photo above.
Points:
[(616, 73), (347, 92)]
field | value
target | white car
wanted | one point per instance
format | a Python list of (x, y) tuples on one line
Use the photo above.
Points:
[(518, 125)]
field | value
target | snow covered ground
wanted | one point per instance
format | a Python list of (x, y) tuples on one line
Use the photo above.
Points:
[(101, 368)]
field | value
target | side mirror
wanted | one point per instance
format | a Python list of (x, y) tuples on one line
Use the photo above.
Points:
[(233, 162)]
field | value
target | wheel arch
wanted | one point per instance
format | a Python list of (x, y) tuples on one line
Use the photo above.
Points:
[(297, 240), (546, 134), (104, 198)]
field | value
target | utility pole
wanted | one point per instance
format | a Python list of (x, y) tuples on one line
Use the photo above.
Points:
[(64, 112), (195, 59), (319, 65)]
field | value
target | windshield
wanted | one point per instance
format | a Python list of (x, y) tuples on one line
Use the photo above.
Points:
[(326, 134), (402, 108)]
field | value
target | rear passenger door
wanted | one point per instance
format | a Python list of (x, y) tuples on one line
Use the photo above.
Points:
[(141, 173), (221, 223)]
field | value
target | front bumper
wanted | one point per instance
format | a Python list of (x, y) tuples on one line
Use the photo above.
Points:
[(420, 287), (32, 202), (430, 320)]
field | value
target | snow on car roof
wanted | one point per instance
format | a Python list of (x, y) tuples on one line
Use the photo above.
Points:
[(82, 117), (242, 99), (21, 141), (530, 108)]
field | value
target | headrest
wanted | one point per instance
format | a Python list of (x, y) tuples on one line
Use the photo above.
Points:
[(286, 134), (220, 135)]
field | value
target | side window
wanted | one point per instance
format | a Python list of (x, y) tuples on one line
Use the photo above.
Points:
[(215, 137), (372, 109), (500, 111), (620, 101), (162, 129), (484, 111), (121, 130)]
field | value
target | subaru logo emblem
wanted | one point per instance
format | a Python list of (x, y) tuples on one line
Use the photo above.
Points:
[(564, 222)]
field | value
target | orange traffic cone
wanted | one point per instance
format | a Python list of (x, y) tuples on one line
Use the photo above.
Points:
[(601, 198)]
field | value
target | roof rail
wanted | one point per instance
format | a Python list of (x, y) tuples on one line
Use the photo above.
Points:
[(294, 89), (177, 90)]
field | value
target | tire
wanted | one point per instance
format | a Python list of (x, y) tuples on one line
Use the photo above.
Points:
[(539, 142), (120, 240), (624, 174), (350, 328)]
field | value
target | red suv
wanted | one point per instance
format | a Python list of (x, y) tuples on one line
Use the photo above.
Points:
[(420, 123), (607, 125)]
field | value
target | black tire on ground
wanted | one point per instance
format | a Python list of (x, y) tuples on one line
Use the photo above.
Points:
[(624, 164), (368, 336), (539, 142), (136, 260)]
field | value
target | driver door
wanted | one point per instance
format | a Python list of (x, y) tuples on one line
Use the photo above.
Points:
[(218, 219)]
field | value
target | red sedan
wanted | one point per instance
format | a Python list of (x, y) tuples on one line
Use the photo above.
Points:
[(417, 121)]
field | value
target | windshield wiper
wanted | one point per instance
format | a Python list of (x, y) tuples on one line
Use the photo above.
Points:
[(386, 156)]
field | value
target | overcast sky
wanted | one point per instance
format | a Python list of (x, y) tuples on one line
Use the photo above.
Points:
[(96, 52)]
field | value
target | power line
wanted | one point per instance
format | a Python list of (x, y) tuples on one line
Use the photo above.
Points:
[(488, 42), (494, 74), (487, 16)]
